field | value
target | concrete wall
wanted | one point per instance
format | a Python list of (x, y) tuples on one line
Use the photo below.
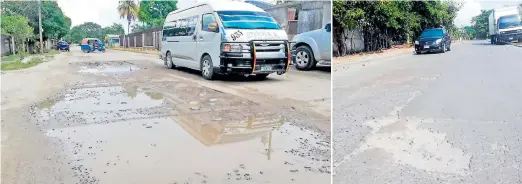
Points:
[(358, 42), (5, 46)]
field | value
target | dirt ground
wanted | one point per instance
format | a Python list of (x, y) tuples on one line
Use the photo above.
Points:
[(121, 117)]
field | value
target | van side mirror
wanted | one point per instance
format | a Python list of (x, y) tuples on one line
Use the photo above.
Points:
[(212, 27)]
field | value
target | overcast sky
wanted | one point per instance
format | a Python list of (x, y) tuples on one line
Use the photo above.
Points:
[(104, 12)]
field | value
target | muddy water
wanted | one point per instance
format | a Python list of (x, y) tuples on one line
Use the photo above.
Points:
[(116, 134), (111, 68)]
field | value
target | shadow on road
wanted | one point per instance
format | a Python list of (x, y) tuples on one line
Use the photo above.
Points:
[(230, 78)]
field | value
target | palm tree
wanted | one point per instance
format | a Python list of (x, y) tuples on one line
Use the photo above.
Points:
[(128, 9)]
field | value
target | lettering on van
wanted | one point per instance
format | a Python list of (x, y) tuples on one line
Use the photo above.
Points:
[(236, 35), (262, 35)]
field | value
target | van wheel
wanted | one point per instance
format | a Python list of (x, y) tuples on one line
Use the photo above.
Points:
[(168, 61), (304, 58), (207, 68)]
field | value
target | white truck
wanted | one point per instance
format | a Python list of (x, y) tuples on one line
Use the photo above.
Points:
[(505, 25)]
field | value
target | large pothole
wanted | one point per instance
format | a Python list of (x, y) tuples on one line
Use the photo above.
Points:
[(108, 68)]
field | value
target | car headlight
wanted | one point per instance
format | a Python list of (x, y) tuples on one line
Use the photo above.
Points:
[(438, 41), (416, 42), (230, 47)]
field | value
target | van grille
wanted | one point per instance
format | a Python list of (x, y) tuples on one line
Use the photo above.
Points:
[(272, 46)]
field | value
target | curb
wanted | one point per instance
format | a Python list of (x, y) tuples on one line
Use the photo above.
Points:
[(137, 50)]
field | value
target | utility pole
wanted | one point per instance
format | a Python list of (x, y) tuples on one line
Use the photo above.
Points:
[(40, 24)]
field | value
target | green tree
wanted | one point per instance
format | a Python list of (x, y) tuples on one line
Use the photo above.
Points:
[(85, 30), (480, 24), (345, 19), (385, 23), (54, 23), (128, 10), (153, 12), (470, 32), (17, 27), (115, 28)]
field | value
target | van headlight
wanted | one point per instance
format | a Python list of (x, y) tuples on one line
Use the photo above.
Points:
[(231, 47), (438, 41)]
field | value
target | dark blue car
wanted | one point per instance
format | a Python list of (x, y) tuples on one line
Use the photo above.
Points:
[(62, 45), (433, 40)]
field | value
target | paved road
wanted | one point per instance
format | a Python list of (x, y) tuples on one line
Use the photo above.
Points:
[(434, 118), (121, 117)]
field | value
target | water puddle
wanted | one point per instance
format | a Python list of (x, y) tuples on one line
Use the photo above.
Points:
[(98, 104), (159, 150), (110, 68), (127, 134)]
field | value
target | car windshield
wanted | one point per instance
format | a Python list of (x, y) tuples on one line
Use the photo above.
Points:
[(510, 21), (247, 20), (432, 33)]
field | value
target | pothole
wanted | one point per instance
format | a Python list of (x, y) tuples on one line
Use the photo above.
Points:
[(164, 151), (98, 104), (421, 148), (108, 68)]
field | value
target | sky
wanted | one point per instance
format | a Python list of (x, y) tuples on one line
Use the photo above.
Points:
[(472, 8), (104, 12)]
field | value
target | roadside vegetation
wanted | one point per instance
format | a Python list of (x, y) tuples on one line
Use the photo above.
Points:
[(15, 65), (383, 24)]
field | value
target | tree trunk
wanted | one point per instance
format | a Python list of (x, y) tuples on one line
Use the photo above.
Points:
[(13, 41), (128, 26)]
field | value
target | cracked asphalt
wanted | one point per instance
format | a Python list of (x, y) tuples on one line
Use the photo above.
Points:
[(454, 117)]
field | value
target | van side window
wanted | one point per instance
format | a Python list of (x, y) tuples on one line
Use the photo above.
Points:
[(180, 27), (208, 19)]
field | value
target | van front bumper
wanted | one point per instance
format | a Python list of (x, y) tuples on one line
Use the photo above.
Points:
[(254, 61)]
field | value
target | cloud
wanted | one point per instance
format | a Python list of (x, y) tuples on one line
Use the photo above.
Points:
[(470, 9)]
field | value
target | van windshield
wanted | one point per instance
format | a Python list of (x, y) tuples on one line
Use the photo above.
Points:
[(247, 20), (510, 21)]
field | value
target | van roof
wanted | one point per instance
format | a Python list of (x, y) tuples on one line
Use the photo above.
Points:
[(226, 5)]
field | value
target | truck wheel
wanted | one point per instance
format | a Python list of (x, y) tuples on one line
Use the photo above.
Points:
[(207, 68), (304, 58), (169, 63)]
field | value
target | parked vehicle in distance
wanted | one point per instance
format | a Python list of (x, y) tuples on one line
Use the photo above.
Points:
[(433, 40), (92, 44), (62, 45), (505, 25), (225, 37), (313, 48)]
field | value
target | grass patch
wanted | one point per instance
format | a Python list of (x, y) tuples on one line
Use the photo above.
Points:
[(15, 65), (52, 52)]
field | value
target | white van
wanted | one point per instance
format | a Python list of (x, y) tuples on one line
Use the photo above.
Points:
[(225, 37)]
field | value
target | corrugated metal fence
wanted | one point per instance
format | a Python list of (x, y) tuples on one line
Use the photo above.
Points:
[(150, 38)]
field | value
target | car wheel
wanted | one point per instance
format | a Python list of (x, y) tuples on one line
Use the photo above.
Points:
[(207, 68), (169, 63), (304, 58), (418, 52), (449, 47), (444, 48)]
